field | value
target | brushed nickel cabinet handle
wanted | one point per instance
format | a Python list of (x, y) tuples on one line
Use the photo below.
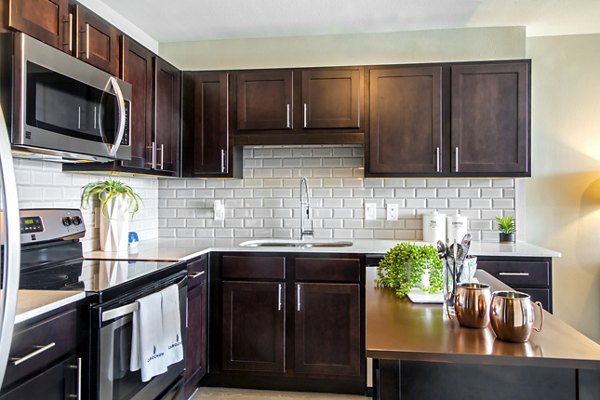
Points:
[(197, 274), (305, 116), (279, 297), (513, 273), (456, 159), (78, 367), (437, 160), (298, 299), (287, 108), (87, 41), (40, 349), (162, 156), (223, 161)]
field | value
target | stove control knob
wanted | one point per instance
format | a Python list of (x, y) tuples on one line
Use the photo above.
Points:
[(76, 220), (66, 221)]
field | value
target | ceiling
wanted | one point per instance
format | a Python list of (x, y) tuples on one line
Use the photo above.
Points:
[(187, 20)]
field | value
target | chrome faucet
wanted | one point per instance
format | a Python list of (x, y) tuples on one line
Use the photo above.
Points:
[(305, 215)]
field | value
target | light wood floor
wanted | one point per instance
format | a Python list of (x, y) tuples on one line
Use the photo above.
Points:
[(244, 394)]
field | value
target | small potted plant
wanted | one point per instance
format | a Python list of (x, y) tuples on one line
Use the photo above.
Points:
[(116, 200), (506, 226), (407, 266)]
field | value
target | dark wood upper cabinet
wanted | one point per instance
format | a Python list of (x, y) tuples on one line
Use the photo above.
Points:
[(405, 135), (137, 69), (253, 326), (327, 329), (265, 100), (331, 98), (207, 143), (490, 118), (46, 20), (97, 40), (167, 116)]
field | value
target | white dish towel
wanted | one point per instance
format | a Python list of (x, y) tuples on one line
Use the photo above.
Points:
[(171, 324), (147, 338)]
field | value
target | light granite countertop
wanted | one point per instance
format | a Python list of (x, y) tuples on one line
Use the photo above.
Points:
[(33, 303), (187, 249)]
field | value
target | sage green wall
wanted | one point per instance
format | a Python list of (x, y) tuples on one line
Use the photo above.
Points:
[(359, 49), (562, 199)]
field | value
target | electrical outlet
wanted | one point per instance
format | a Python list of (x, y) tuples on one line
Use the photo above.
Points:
[(219, 210), (392, 212), (370, 211)]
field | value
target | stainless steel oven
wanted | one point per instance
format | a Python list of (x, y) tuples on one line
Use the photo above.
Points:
[(66, 108), (114, 378)]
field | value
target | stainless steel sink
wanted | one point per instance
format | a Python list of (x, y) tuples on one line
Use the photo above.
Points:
[(296, 243)]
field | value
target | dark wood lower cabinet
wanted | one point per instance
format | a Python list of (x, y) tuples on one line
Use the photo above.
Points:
[(57, 383), (253, 326), (287, 321), (327, 329), (197, 320)]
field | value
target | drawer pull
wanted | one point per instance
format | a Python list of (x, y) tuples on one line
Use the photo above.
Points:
[(197, 274), (513, 273), (279, 298), (40, 349)]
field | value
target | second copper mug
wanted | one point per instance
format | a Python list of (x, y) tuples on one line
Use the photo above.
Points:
[(473, 304), (511, 315)]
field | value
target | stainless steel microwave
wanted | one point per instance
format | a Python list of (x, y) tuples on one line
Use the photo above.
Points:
[(66, 108)]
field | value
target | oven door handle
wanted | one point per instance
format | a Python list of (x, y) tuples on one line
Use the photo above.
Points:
[(121, 311)]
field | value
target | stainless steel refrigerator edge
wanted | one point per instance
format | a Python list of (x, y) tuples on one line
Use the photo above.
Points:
[(10, 234)]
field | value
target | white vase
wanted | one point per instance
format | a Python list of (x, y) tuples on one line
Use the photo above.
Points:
[(114, 225)]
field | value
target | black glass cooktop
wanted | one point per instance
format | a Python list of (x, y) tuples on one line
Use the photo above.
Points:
[(89, 275)]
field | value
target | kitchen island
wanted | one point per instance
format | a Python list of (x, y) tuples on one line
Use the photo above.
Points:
[(421, 354)]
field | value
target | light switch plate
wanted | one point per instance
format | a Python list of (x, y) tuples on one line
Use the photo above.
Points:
[(392, 212), (370, 211)]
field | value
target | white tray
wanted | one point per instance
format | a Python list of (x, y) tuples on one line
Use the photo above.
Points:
[(418, 296)]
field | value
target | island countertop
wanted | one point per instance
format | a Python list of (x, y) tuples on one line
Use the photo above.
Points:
[(397, 329)]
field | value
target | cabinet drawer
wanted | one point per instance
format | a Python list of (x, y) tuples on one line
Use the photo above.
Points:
[(197, 271), (518, 273), (60, 329), (328, 269), (249, 267)]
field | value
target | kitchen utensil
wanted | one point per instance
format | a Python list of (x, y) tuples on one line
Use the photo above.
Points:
[(512, 315), (472, 304), (441, 249)]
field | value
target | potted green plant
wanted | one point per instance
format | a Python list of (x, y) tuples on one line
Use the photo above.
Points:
[(506, 226), (407, 266), (117, 199)]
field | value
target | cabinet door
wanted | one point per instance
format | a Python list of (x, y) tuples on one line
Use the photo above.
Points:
[(97, 41), (331, 98), (490, 118), (45, 20), (327, 329), (167, 116), (264, 99), (405, 134), (58, 382), (254, 326), (205, 116), (136, 68), (195, 354)]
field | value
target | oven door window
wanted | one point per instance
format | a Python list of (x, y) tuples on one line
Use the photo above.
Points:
[(118, 382), (64, 105)]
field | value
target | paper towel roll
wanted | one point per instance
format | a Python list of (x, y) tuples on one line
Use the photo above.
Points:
[(434, 227), (456, 227)]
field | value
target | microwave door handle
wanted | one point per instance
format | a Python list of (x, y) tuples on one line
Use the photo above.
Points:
[(112, 81), (11, 258)]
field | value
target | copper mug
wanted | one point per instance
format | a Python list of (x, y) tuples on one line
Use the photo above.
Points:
[(512, 315), (472, 305)]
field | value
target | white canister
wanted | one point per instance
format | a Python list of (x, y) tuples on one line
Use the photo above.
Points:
[(456, 227), (434, 227)]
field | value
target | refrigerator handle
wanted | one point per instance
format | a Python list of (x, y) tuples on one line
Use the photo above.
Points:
[(11, 261)]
